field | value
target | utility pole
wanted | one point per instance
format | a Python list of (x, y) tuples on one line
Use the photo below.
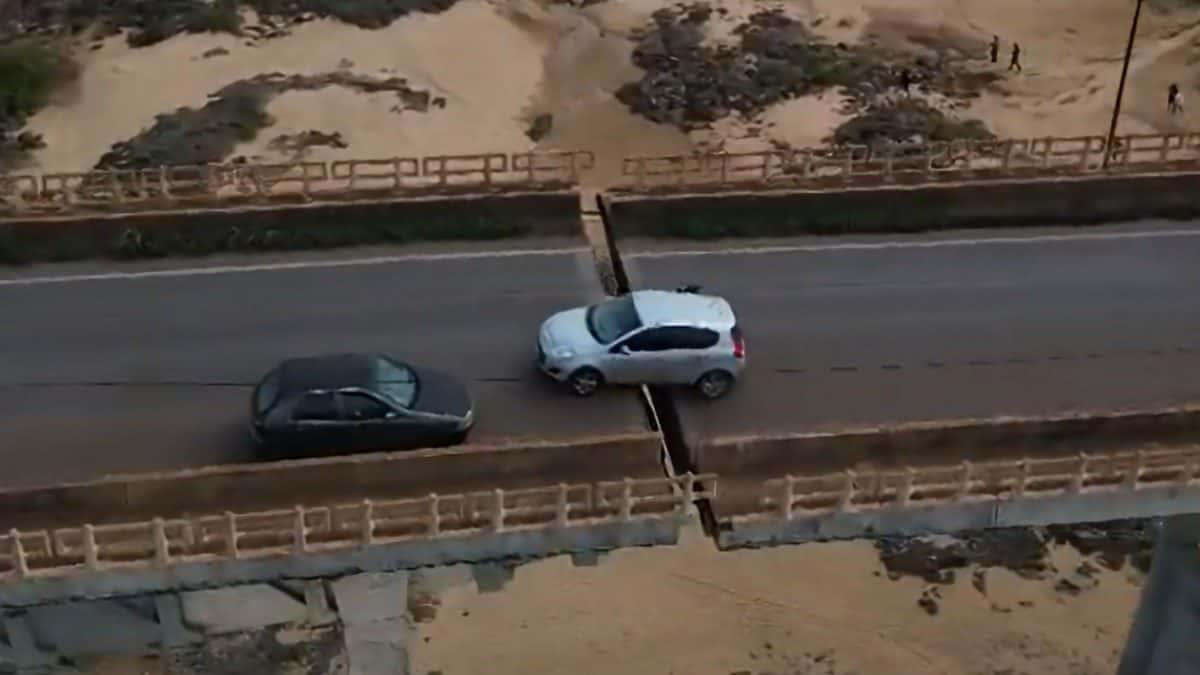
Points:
[(1112, 130)]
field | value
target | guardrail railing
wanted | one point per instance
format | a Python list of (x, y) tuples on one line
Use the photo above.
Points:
[(161, 543), (212, 184), (793, 497), (912, 163)]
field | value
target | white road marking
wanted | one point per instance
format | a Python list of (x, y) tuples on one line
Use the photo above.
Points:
[(583, 250), (936, 243), (299, 265)]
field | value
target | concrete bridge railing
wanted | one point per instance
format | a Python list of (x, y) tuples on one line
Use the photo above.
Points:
[(1083, 488), (218, 185), (162, 544), (854, 165)]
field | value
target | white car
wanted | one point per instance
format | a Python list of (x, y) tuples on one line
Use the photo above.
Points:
[(680, 337)]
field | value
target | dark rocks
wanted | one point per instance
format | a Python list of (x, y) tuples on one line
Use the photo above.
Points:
[(1113, 543), (542, 124), (234, 115), (906, 120), (1021, 550), (215, 51), (28, 140), (689, 83), (148, 23), (298, 144), (929, 600), (979, 581)]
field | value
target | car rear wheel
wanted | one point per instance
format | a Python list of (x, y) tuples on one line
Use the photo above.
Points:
[(714, 384), (585, 381)]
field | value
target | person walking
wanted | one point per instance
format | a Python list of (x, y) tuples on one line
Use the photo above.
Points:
[(1015, 63), (1173, 103), (994, 49), (905, 80)]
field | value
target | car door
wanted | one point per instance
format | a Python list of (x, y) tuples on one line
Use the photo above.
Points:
[(635, 360), (317, 423), (368, 420), (685, 358)]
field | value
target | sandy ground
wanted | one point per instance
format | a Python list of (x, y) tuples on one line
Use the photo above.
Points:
[(515, 59), (819, 608)]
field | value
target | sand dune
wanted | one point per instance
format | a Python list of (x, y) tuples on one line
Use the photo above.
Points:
[(500, 64)]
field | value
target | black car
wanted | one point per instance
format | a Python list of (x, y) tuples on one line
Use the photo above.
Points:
[(357, 402)]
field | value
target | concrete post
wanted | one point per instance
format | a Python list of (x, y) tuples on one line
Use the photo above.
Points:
[(1162, 639)]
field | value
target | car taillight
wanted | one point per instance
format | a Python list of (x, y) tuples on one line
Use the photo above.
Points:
[(739, 344)]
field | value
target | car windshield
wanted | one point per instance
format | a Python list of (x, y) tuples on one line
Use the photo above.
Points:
[(396, 381), (610, 320)]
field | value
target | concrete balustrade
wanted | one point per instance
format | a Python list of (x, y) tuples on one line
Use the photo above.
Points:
[(161, 543), (911, 163), (215, 185)]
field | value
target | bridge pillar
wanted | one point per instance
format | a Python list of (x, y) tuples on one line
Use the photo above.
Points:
[(1162, 639)]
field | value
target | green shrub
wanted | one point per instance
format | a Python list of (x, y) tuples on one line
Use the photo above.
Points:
[(29, 72)]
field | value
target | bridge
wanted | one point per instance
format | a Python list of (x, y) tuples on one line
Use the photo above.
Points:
[(897, 384)]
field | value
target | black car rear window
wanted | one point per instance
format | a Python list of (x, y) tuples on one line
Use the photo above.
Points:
[(611, 319), (396, 381), (268, 393)]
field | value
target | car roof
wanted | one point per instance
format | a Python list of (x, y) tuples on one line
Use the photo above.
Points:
[(330, 371), (672, 307)]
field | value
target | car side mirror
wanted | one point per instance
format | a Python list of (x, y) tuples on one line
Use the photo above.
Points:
[(620, 349)]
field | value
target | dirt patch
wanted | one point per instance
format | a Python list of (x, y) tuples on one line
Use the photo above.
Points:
[(235, 115), (821, 663), (690, 82), (146, 23)]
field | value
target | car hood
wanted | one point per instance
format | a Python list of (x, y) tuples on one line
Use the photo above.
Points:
[(441, 394), (568, 329)]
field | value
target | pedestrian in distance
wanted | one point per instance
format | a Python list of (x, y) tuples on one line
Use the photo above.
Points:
[(994, 50), (1015, 63), (905, 80), (1173, 103)]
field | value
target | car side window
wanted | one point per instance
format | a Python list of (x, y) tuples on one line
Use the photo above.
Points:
[(652, 340), (316, 407), (690, 337), (360, 407)]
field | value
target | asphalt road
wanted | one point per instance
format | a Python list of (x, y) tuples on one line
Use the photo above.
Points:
[(840, 335), (114, 374)]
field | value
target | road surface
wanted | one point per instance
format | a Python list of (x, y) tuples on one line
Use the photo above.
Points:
[(117, 373), (844, 334)]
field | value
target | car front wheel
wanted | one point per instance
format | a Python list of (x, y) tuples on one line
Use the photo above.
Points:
[(714, 384), (585, 381)]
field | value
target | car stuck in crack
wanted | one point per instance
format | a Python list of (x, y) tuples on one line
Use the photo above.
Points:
[(648, 337)]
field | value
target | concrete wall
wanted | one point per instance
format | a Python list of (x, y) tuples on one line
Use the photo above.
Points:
[(744, 464), (974, 515), (283, 227), (992, 203), (330, 480)]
